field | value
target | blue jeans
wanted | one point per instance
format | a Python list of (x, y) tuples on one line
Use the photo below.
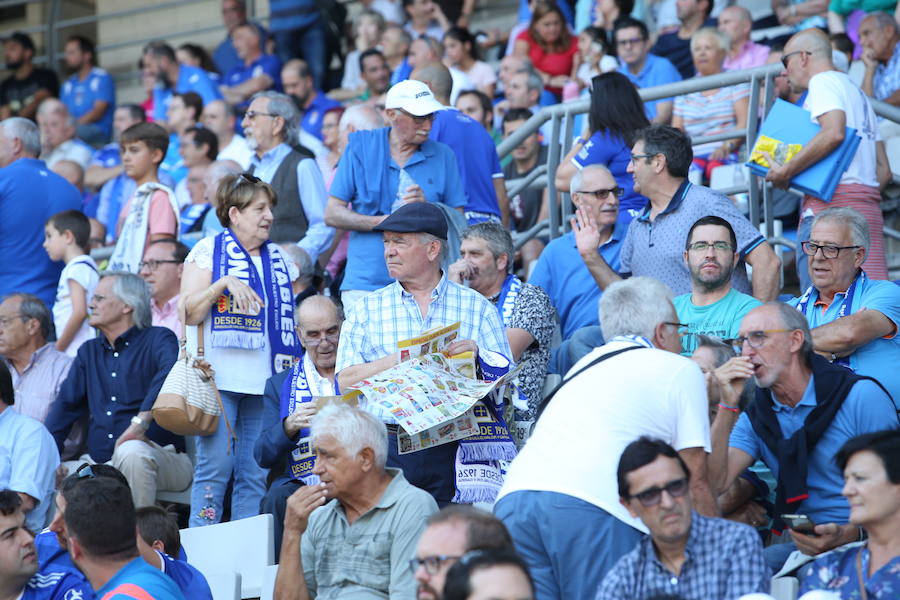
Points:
[(218, 456), (568, 544), (802, 259), (777, 554), (307, 43)]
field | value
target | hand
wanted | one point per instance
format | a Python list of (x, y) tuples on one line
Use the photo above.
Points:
[(721, 153), (300, 505), (246, 301), (413, 193), (302, 419), (777, 174), (828, 536), (460, 346), (749, 513), (733, 376), (587, 234), (462, 270), (868, 58), (134, 432)]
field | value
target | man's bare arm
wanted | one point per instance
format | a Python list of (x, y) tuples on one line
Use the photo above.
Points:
[(766, 272), (356, 373), (290, 584), (338, 215), (843, 336), (95, 114), (701, 494), (240, 92)]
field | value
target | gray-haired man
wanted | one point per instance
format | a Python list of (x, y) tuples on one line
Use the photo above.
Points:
[(114, 380)]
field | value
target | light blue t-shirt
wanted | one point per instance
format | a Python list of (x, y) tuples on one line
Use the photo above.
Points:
[(721, 319), (190, 79), (28, 461), (79, 96), (879, 358), (172, 164), (561, 272), (866, 408), (657, 71), (368, 177)]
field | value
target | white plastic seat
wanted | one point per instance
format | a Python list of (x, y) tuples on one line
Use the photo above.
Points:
[(183, 496), (268, 588), (785, 588), (224, 586)]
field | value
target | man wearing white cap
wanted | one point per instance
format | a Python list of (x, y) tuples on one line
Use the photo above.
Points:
[(382, 169)]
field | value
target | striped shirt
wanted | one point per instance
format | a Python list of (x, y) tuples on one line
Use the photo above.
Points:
[(378, 321), (708, 115), (36, 387)]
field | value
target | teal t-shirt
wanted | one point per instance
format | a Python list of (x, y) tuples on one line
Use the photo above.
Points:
[(721, 319)]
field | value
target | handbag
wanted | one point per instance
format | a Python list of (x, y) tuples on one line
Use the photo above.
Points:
[(188, 402)]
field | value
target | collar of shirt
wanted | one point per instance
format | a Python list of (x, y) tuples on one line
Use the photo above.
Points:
[(694, 538), (167, 308), (673, 205), (808, 399), (266, 165), (618, 233), (318, 385), (35, 357), (121, 341), (392, 493), (436, 293)]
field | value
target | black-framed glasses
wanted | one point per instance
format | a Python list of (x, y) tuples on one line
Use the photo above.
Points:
[(602, 194), (315, 342), (245, 177), (787, 57), (252, 114), (152, 265), (681, 327), (634, 157), (418, 120), (755, 338), (828, 250), (630, 42), (704, 246), (652, 496), (432, 564)]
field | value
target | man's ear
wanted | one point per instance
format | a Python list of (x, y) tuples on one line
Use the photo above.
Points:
[(157, 156), (627, 506), (367, 458), (503, 262), (158, 546)]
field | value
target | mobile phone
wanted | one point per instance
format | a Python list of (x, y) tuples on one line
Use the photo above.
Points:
[(800, 523)]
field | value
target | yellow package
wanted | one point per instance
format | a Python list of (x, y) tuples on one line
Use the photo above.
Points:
[(781, 151)]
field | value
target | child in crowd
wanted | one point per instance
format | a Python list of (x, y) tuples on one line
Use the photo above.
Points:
[(152, 211), (593, 47), (67, 238)]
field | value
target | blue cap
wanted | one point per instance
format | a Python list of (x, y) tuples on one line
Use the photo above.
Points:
[(416, 217)]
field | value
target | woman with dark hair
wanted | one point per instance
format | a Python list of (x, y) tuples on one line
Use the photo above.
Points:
[(552, 49), (197, 56), (616, 114), (461, 51), (871, 467), (495, 574)]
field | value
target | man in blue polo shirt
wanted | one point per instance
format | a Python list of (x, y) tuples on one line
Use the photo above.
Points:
[(312, 103), (159, 60), (382, 169), (642, 68), (89, 94), (257, 72), (234, 13), (29, 195), (476, 155), (563, 268)]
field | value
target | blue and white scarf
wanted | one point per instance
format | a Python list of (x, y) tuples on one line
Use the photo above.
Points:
[(231, 329), (191, 217), (294, 392), (843, 311), (506, 301)]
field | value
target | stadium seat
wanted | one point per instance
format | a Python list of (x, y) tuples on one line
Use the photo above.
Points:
[(785, 588), (224, 586), (268, 588), (245, 547)]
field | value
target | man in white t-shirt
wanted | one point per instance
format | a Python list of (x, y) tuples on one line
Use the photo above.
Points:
[(218, 116), (835, 103), (560, 500)]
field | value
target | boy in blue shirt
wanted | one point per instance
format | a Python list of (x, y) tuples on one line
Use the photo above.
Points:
[(158, 542)]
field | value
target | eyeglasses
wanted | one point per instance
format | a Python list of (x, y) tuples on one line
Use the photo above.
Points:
[(681, 327), (630, 42), (85, 472), (432, 564), (5, 321), (787, 57), (828, 251), (418, 120), (152, 265), (704, 246), (634, 157), (252, 114), (755, 338), (245, 177), (602, 194), (652, 496), (313, 343)]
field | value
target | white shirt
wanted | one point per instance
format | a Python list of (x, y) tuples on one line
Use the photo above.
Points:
[(577, 442), (460, 83), (237, 150), (83, 271), (833, 90)]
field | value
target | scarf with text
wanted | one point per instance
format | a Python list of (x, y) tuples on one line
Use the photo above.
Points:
[(843, 311)]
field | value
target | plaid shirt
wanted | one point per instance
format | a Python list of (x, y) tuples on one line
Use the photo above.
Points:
[(378, 321), (887, 76), (724, 560)]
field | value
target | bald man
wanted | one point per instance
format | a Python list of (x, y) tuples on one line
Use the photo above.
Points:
[(835, 103), (289, 405), (736, 22), (58, 141)]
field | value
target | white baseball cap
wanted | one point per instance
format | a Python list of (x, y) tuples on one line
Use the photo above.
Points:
[(412, 96)]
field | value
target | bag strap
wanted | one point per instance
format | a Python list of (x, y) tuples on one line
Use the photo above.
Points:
[(596, 361)]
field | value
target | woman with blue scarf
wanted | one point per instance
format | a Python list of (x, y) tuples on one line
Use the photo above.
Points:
[(237, 286)]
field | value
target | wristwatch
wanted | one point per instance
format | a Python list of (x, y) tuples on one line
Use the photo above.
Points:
[(139, 421)]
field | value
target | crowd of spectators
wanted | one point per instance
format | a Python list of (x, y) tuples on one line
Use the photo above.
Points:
[(319, 187)]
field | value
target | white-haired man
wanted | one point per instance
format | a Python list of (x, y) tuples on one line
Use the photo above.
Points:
[(359, 543), (559, 511), (58, 141)]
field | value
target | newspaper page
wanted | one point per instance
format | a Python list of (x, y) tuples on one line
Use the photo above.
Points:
[(430, 342)]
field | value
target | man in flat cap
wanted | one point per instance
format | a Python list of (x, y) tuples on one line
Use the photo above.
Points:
[(421, 298)]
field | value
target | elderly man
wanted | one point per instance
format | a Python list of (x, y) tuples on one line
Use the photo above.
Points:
[(559, 511), (161, 268), (159, 60), (289, 403), (449, 534), (312, 103), (271, 126), (408, 167), (89, 94), (563, 267), (853, 318), (835, 103), (375, 73), (114, 380), (29, 195), (712, 307), (523, 91), (804, 411), (359, 543), (28, 456), (529, 317), (257, 71), (27, 86), (643, 68), (421, 298), (683, 555), (654, 245), (476, 154), (879, 34), (58, 141), (736, 22)]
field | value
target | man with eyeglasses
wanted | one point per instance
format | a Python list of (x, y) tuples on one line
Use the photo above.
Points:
[(289, 404), (161, 268), (853, 318), (686, 555), (805, 409), (643, 68)]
